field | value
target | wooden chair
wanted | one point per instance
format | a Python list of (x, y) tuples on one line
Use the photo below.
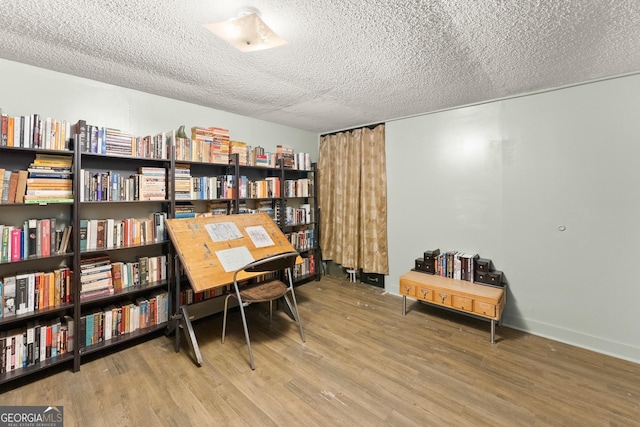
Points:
[(267, 291)]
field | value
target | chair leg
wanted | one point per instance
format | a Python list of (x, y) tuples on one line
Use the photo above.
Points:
[(224, 317), (270, 311), (296, 313), (246, 335)]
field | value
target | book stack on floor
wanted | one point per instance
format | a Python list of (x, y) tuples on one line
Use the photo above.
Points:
[(49, 180), (95, 277)]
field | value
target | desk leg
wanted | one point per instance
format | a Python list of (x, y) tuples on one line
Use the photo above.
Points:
[(176, 265), (191, 336), (493, 331), (404, 305)]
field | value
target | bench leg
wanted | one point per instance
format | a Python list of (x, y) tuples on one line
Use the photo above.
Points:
[(493, 331), (404, 305)]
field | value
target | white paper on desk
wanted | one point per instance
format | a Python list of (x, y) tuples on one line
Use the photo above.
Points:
[(235, 258), (223, 231), (259, 236)]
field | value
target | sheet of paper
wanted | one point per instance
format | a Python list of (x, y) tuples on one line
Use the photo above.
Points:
[(223, 231), (234, 258), (259, 236)]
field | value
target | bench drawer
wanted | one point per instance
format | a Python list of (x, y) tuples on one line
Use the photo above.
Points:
[(424, 294), (484, 309), (442, 298), (462, 303), (407, 289)]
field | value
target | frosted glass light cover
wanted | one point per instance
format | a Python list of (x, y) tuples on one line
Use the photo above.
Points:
[(247, 33)]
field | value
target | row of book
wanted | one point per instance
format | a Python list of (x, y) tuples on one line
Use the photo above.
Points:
[(301, 240), (305, 269), (35, 342), (149, 184), (37, 238), (188, 187), (207, 144), (112, 233), (456, 265), (302, 187), (103, 140), (34, 291), (48, 179), (115, 320), (34, 131), (99, 276), (188, 296), (295, 215)]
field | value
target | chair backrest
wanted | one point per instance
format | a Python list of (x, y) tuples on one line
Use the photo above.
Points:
[(273, 263)]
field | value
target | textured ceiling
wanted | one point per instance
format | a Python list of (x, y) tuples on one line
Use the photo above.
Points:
[(346, 63)]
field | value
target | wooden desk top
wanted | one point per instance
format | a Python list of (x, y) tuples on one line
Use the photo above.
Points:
[(198, 251)]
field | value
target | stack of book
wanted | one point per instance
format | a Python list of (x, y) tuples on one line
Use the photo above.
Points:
[(182, 183), (49, 180), (286, 154), (117, 143), (217, 208), (95, 277), (239, 148), (258, 157), (220, 146), (152, 184), (185, 211)]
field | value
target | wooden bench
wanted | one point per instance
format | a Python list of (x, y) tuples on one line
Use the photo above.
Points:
[(483, 301)]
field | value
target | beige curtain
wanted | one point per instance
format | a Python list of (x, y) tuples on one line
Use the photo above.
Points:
[(352, 196)]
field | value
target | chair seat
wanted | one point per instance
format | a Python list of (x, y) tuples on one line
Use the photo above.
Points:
[(262, 292)]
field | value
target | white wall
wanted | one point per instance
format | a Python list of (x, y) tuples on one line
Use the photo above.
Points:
[(28, 90), (500, 178)]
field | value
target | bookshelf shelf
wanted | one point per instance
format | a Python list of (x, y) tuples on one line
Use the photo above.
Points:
[(47, 363), (128, 292), (17, 318), (122, 339)]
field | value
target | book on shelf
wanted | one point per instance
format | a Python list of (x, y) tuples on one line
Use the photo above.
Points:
[(9, 296)]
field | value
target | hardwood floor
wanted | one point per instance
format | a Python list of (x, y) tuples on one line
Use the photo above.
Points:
[(363, 364)]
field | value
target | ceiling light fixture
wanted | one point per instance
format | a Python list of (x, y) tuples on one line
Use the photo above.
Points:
[(247, 32)]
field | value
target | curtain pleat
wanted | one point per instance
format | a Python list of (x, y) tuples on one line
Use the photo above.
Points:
[(353, 199)]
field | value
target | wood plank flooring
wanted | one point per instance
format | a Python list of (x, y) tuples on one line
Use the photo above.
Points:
[(363, 364)]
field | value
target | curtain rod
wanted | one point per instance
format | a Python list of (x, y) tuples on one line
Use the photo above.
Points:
[(372, 126)]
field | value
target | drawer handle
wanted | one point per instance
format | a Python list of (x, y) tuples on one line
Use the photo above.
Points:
[(407, 288), (443, 297), (425, 293)]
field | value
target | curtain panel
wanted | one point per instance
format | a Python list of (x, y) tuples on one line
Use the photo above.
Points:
[(352, 197)]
